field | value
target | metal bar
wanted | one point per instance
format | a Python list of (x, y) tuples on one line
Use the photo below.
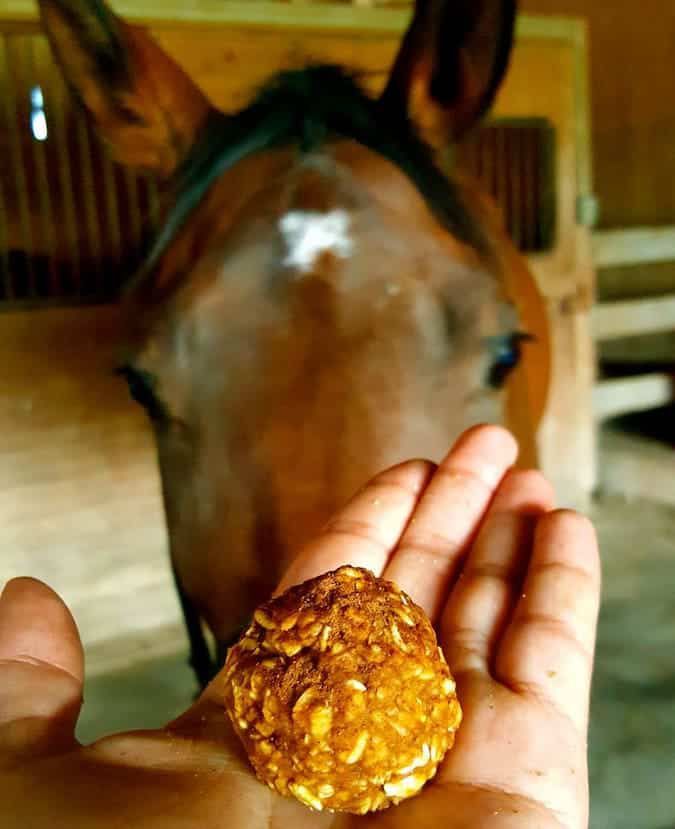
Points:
[(5, 274), (539, 167), (16, 161), (502, 154), (58, 104), (493, 149), (112, 233), (517, 187), (47, 217), (530, 178), (113, 228), (90, 208)]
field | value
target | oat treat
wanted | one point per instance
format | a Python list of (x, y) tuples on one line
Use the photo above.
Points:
[(341, 695)]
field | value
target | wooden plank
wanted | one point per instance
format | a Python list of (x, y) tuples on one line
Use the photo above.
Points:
[(567, 434), (612, 398), (634, 134), (565, 275), (316, 16), (583, 123), (612, 320), (231, 64), (541, 82), (634, 246)]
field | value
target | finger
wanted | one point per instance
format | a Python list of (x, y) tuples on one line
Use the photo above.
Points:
[(548, 647), (367, 530), (449, 514), (362, 534), (490, 582), (41, 670)]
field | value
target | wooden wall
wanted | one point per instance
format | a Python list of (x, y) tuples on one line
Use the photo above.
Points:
[(633, 111), (633, 64), (80, 504), (633, 104)]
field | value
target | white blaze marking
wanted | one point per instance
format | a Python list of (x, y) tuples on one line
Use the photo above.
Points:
[(308, 234)]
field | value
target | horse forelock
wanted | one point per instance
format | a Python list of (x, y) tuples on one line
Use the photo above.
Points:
[(302, 110)]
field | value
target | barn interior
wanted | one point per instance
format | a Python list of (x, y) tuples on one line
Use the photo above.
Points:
[(578, 153)]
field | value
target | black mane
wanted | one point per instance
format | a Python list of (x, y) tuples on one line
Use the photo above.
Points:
[(306, 108)]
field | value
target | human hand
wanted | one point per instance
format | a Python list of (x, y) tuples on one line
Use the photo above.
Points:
[(512, 588)]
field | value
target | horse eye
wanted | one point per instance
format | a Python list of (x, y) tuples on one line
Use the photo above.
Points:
[(142, 389), (505, 352)]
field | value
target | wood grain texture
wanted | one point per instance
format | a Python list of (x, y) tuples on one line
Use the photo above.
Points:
[(612, 398), (632, 59), (614, 320), (634, 246), (80, 502)]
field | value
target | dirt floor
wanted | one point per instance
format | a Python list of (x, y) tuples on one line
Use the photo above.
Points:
[(632, 741)]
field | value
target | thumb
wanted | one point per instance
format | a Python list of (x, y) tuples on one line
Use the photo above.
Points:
[(41, 672)]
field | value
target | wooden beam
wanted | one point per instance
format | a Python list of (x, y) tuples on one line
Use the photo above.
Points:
[(634, 246), (241, 13), (625, 395), (582, 122), (566, 438), (612, 320), (316, 16)]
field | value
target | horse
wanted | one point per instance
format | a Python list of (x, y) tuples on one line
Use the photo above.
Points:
[(322, 299)]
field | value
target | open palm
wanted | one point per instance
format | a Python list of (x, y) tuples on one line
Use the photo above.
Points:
[(513, 590)]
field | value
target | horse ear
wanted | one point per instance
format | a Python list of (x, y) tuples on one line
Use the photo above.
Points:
[(451, 64), (143, 105)]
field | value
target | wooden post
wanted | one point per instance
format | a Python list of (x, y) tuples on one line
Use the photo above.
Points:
[(566, 438), (567, 434)]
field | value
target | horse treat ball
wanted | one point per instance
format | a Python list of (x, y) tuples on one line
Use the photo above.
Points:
[(340, 694)]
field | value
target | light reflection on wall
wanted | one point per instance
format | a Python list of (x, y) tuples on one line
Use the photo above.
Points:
[(38, 118)]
